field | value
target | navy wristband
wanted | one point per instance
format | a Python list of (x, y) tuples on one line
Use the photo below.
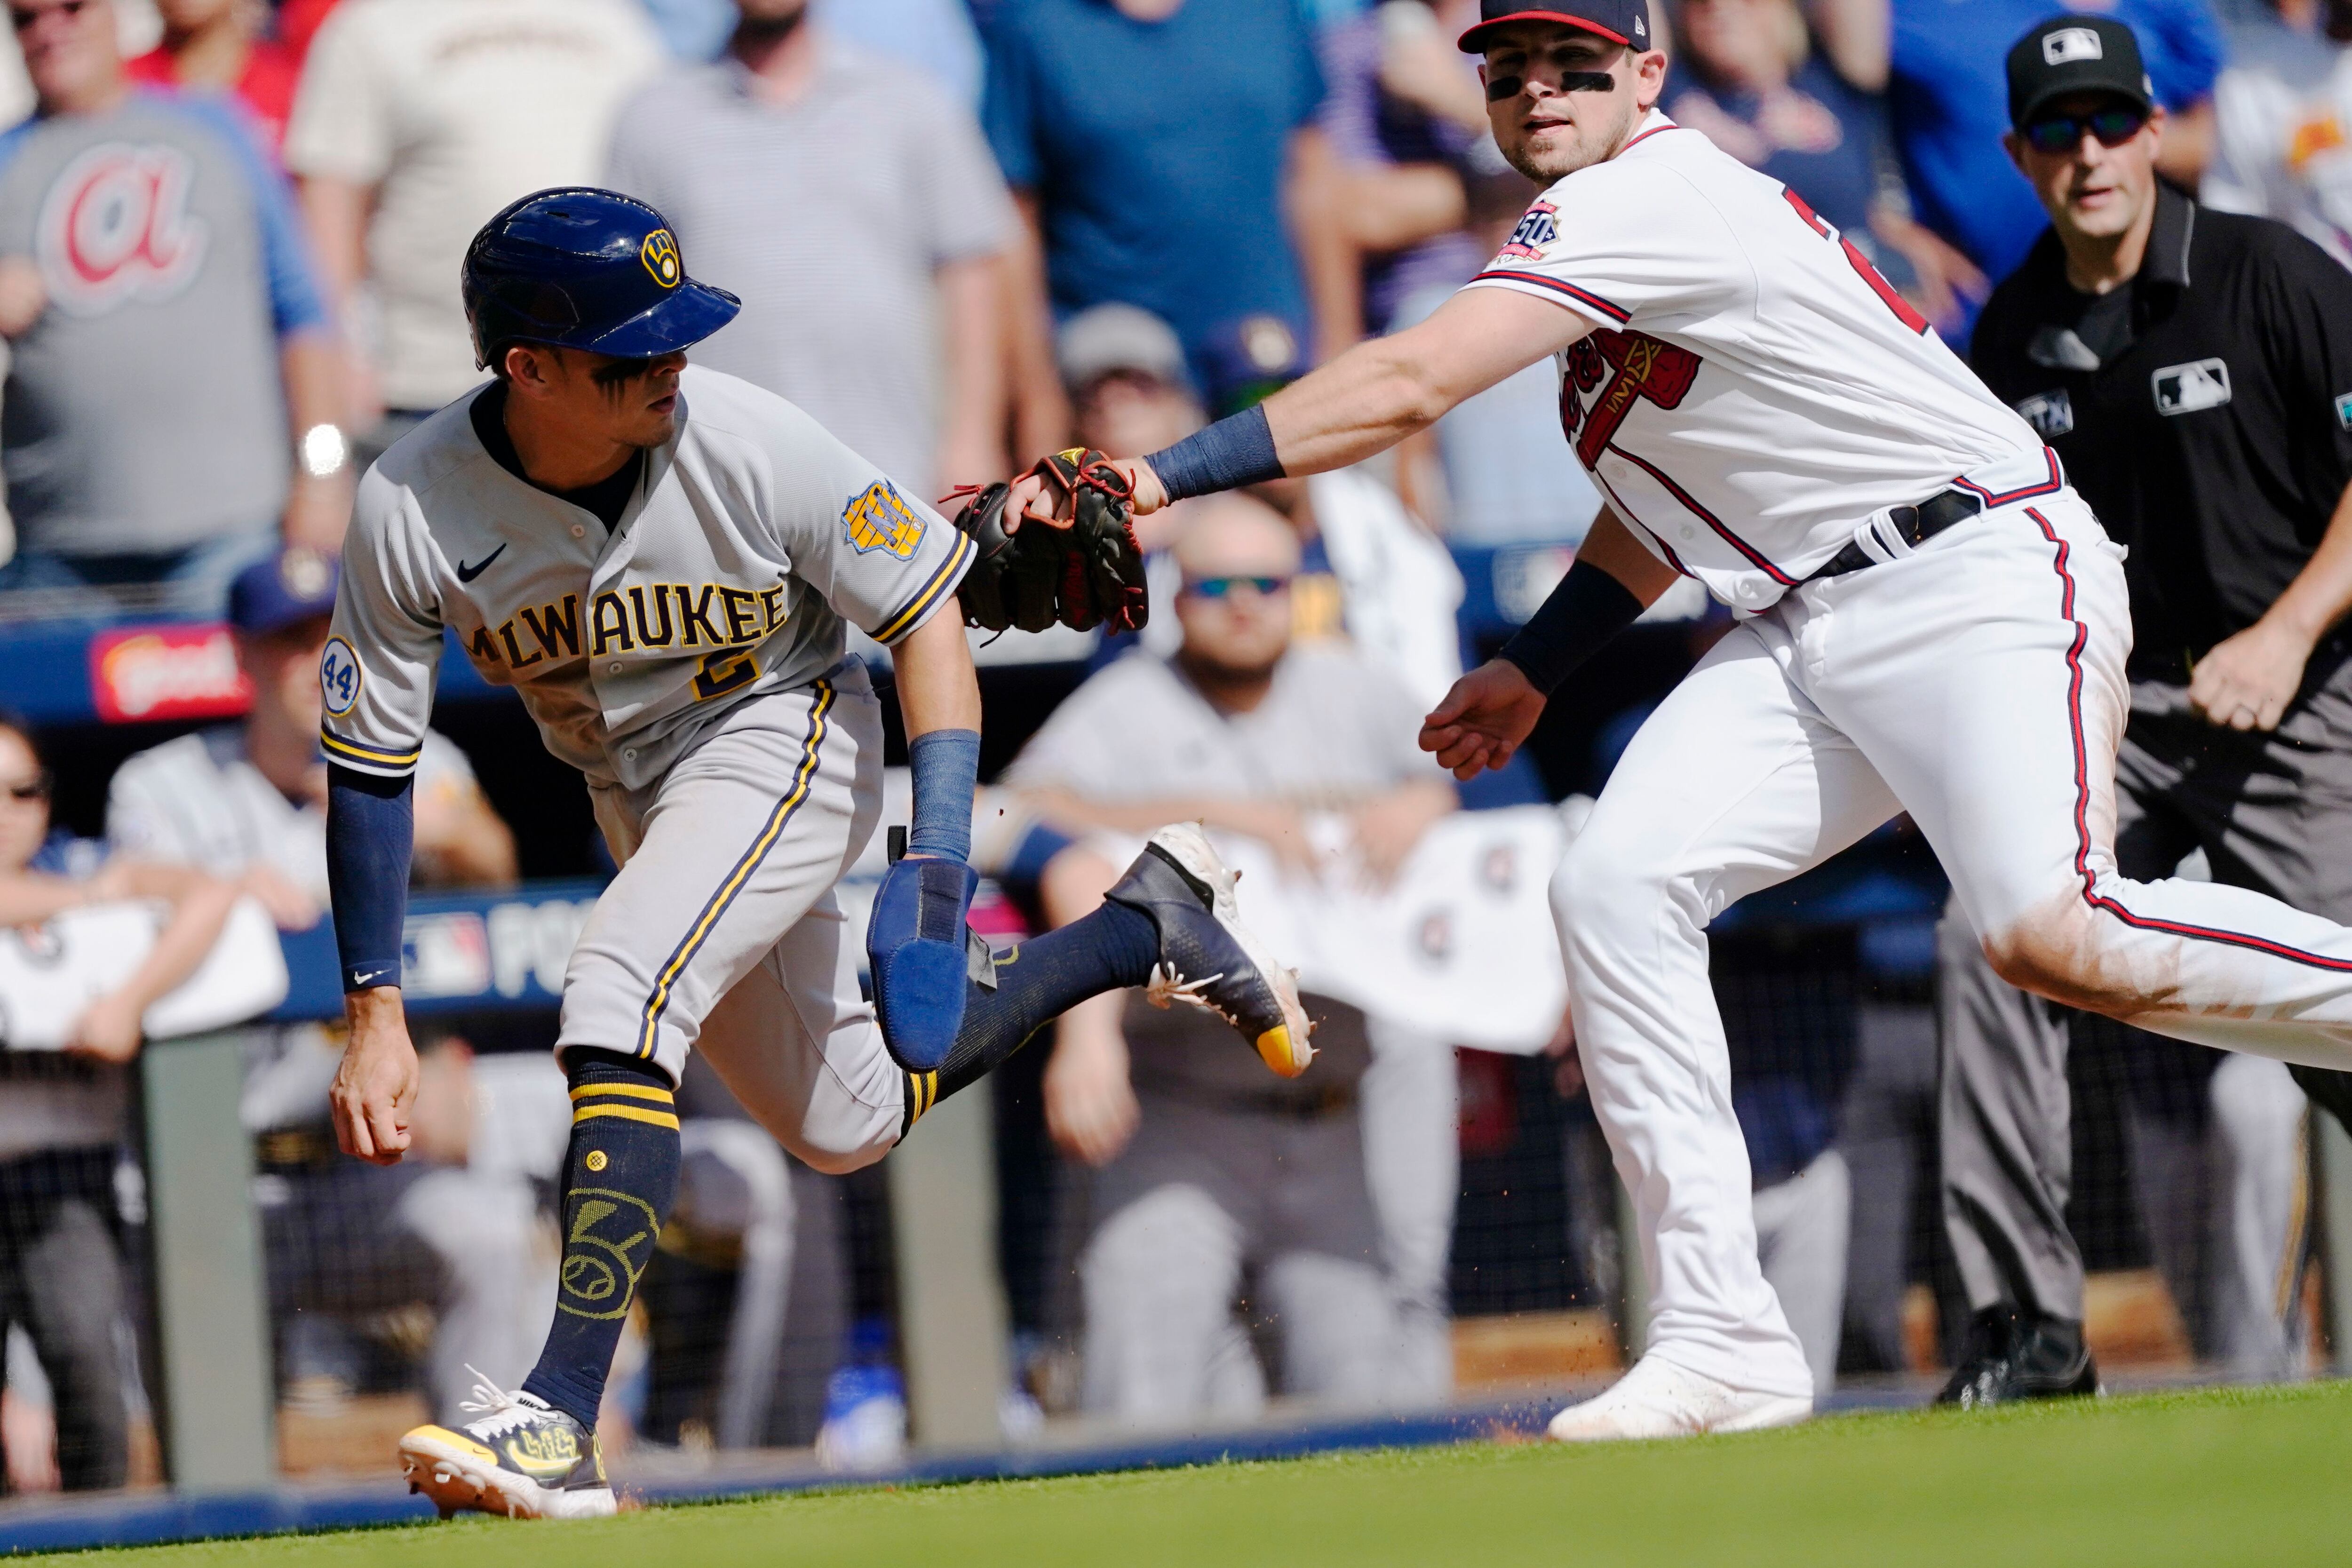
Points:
[(1236, 450), (1585, 611), (945, 765), (370, 829)]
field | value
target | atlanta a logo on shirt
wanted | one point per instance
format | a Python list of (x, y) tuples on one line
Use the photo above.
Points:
[(1607, 372), (115, 227)]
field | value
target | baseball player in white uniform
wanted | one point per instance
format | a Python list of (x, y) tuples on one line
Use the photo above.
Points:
[(1930, 621), (662, 561)]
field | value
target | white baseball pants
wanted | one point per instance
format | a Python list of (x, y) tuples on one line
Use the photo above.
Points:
[(1978, 683)]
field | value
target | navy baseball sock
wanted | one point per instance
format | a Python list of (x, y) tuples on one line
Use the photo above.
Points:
[(1037, 981), (618, 1181)]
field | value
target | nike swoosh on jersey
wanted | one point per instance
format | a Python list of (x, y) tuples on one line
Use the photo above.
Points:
[(468, 573), (367, 977)]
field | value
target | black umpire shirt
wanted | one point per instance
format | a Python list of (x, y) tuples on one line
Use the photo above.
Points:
[(2204, 409)]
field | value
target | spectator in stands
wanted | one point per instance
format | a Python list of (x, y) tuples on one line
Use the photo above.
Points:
[(224, 46), (879, 232), (168, 362), (1165, 155), (249, 800), (1203, 1171), (937, 35), (2282, 122), (416, 120), (63, 1116), (1940, 68), (1749, 77)]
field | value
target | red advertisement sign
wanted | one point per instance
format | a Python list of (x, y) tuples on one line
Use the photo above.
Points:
[(142, 674)]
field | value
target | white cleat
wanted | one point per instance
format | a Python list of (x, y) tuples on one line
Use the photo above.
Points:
[(1659, 1399), (520, 1460)]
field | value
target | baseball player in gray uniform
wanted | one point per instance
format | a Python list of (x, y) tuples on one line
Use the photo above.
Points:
[(662, 561)]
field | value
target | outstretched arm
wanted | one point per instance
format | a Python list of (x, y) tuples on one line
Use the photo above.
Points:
[(1362, 403), (1491, 711)]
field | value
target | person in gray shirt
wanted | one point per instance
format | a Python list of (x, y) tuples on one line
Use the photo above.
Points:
[(856, 206), (173, 391)]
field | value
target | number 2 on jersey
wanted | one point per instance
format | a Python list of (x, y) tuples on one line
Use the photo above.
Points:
[(1879, 286)]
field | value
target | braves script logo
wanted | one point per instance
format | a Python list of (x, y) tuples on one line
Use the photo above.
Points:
[(1536, 229), (1636, 366), (116, 227)]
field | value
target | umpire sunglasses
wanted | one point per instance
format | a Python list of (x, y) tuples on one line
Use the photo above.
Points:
[(2054, 134)]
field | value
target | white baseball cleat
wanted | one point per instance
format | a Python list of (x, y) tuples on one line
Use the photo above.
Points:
[(1659, 1399), (521, 1460)]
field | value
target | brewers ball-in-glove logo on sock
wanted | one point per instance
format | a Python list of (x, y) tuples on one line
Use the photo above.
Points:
[(878, 518), (659, 253), (608, 1239)]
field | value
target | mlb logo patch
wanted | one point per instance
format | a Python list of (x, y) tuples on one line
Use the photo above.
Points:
[(2068, 44), (2191, 388), (877, 519), (2052, 414)]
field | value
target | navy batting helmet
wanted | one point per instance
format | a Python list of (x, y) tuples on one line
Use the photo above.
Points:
[(586, 268)]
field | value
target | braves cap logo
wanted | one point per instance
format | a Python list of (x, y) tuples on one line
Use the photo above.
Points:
[(2070, 44), (659, 253)]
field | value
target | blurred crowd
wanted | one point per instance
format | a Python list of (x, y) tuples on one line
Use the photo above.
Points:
[(964, 234)]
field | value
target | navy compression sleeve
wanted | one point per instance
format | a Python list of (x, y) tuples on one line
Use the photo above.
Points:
[(1588, 609), (1236, 450), (945, 765), (371, 830)]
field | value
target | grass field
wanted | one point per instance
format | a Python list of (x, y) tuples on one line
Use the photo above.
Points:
[(2207, 1478)]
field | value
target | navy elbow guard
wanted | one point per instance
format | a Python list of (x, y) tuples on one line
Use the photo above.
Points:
[(922, 952), (370, 829)]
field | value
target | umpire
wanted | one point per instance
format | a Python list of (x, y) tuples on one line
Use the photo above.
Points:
[(2194, 371)]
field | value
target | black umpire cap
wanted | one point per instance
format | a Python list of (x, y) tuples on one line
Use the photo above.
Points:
[(2075, 54), (1618, 21)]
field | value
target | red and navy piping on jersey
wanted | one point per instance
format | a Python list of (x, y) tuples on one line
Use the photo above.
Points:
[(1584, 296), (2050, 485), (2103, 902), (1625, 514), (1750, 552), (1644, 136)]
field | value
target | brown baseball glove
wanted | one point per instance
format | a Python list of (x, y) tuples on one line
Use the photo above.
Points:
[(1084, 573)]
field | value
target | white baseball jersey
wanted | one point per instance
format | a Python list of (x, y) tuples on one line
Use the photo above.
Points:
[(753, 536), (1757, 391)]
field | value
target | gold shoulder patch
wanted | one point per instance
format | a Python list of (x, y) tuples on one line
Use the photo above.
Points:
[(879, 519)]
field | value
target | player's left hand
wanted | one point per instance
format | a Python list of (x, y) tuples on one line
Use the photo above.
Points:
[(1033, 497), (374, 1091), (2247, 681), (1483, 719)]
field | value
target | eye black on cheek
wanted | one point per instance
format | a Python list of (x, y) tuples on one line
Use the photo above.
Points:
[(1499, 87)]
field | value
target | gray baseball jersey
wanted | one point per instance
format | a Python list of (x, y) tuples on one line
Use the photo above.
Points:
[(753, 537)]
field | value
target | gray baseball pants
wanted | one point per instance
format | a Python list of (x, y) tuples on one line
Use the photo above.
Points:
[(722, 931), (2272, 814)]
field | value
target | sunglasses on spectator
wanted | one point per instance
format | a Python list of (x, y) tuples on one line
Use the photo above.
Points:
[(21, 19), (32, 789), (1220, 588), (2057, 134)]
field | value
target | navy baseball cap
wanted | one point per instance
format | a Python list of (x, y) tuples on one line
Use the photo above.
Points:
[(282, 590), (1618, 21), (2076, 54), (586, 268)]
